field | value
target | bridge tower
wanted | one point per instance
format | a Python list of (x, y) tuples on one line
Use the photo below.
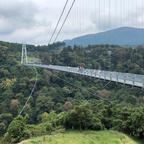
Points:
[(24, 58)]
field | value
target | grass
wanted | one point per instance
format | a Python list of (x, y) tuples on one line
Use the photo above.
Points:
[(33, 59), (85, 137)]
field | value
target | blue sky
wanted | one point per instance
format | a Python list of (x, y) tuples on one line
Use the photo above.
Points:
[(32, 21)]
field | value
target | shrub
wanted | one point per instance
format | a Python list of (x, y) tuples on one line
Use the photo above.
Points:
[(17, 130)]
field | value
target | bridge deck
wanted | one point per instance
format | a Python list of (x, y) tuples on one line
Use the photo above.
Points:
[(125, 78)]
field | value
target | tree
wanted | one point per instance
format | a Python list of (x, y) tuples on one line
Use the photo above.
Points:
[(14, 106), (17, 130), (44, 104), (68, 106), (82, 118), (104, 93), (5, 120), (2, 128), (133, 125)]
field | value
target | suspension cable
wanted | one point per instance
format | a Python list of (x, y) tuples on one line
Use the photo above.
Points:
[(99, 19), (109, 14), (58, 22), (30, 93), (64, 21), (106, 84), (70, 83)]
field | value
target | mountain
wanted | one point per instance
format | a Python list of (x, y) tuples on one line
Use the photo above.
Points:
[(119, 36)]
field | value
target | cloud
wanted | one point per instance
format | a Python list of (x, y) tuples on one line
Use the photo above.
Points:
[(106, 23), (16, 14), (33, 21)]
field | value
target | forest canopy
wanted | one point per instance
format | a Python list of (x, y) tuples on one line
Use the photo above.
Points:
[(73, 106)]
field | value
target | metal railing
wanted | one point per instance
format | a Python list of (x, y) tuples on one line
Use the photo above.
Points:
[(125, 78)]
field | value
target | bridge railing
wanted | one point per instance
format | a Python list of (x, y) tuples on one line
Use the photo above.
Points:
[(125, 78)]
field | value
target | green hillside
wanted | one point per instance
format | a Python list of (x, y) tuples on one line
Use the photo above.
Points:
[(68, 101), (85, 137)]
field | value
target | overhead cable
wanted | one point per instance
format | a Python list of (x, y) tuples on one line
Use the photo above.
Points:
[(58, 22), (64, 21), (28, 99), (70, 83)]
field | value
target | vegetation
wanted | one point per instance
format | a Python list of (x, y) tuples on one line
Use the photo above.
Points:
[(90, 115), (85, 137), (64, 101)]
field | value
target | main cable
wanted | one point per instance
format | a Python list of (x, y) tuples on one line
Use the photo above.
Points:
[(64, 21), (30, 93), (58, 22)]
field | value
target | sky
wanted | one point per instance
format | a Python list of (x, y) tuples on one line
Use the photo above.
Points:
[(33, 21)]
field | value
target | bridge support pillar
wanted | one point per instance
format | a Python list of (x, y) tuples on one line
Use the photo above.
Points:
[(24, 58)]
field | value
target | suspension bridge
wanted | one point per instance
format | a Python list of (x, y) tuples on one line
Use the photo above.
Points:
[(118, 77), (134, 80)]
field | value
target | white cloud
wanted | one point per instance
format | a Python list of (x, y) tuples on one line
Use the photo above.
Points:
[(32, 21)]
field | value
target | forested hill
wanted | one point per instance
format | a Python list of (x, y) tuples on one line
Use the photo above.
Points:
[(119, 36), (63, 100)]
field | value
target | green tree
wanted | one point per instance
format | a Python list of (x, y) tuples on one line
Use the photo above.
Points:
[(17, 130)]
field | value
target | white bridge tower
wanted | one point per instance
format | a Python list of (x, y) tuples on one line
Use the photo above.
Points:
[(24, 58)]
